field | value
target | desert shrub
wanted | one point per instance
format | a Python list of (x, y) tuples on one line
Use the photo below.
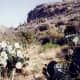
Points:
[(49, 45), (29, 37), (26, 36), (42, 33), (77, 18), (42, 20), (54, 34)]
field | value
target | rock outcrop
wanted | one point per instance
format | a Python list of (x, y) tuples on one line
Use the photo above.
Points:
[(64, 10), (49, 21)]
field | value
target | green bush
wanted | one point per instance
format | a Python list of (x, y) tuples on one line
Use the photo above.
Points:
[(49, 45)]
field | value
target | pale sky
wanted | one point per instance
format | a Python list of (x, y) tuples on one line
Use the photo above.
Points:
[(13, 12)]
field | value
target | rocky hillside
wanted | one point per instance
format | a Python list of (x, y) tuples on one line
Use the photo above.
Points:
[(50, 21), (63, 10), (46, 22)]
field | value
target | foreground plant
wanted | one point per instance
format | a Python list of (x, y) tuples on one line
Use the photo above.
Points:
[(12, 58)]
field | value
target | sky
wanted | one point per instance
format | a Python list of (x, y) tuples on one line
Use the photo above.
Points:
[(14, 12)]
